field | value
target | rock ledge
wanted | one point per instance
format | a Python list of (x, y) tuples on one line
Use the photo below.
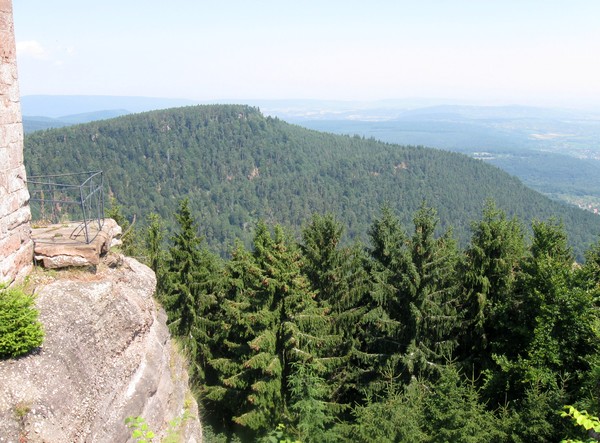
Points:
[(107, 356)]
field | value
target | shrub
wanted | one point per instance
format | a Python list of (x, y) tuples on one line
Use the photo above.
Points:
[(20, 329)]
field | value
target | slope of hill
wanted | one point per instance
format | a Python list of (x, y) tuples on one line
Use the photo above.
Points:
[(237, 166), (555, 152)]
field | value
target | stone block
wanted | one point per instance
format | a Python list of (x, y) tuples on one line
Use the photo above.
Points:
[(15, 156), (17, 181), (11, 134), (6, 75), (9, 116), (4, 158), (15, 219), (17, 264), (14, 97), (6, 6), (9, 244), (5, 19), (10, 205), (7, 44), (3, 225)]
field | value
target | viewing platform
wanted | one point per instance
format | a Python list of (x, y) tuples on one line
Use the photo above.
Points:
[(64, 244), (68, 224)]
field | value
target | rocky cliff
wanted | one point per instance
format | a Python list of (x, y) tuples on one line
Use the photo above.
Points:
[(107, 356)]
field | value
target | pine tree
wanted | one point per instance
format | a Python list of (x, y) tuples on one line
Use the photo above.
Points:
[(274, 332), (386, 320), (129, 237), (190, 291), (154, 238), (487, 278), (550, 338), (453, 411), (338, 276), (432, 319)]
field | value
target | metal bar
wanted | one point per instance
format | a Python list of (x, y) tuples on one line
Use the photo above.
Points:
[(87, 236), (46, 191)]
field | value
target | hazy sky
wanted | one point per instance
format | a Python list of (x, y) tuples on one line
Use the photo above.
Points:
[(493, 51)]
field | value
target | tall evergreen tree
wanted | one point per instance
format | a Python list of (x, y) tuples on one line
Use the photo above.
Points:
[(386, 320), (551, 335), (154, 238), (190, 290), (432, 319), (282, 330), (487, 278), (340, 280)]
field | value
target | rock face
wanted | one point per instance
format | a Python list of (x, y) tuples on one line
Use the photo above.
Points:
[(61, 246), (16, 247), (107, 356)]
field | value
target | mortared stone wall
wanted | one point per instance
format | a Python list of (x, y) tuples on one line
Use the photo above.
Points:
[(16, 246)]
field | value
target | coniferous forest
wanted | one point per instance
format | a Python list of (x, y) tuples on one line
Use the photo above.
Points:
[(330, 288), (237, 167), (404, 338)]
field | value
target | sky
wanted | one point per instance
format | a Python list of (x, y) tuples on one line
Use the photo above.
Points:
[(531, 52)]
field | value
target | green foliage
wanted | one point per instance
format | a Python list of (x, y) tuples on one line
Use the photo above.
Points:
[(154, 240), (584, 420), (346, 343), (433, 319), (140, 431), (190, 287), (487, 277), (454, 412), (129, 236), (395, 417), (408, 339), (279, 435), (20, 329), (273, 332)]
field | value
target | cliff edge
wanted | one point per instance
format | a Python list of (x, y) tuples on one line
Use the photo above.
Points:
[(107, 356)]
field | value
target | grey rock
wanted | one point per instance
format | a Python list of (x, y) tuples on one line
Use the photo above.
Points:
[(107, 356)]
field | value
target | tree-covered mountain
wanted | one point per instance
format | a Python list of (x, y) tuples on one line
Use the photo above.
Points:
[(237, 166)]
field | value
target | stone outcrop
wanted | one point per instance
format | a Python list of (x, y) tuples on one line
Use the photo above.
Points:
[(16, 247), (64, 245), (107, 356)]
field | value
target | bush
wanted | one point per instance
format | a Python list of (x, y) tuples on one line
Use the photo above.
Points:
[(20, 329)]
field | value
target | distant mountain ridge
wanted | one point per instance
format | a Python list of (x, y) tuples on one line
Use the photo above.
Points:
[(36, 123), (238, 166), (55, 111), (55, 106)]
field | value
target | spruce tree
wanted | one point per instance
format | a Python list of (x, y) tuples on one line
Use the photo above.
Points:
[(190, 290), (551, 336), (432, 320), (275, 331), (338, 276), (391, 270), (487, 279), (154, 238)]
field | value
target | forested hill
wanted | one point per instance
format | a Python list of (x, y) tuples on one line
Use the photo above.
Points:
[(237, 166)]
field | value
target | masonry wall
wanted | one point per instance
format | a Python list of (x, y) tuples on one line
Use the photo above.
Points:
[(16, 247)]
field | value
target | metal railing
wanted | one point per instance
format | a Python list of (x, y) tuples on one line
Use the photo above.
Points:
[(76, 197)]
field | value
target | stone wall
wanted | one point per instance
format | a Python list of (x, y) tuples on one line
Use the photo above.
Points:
[(16, 247)]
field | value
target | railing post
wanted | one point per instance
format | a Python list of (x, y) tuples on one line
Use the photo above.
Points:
[(62, 191), (85, 225)]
